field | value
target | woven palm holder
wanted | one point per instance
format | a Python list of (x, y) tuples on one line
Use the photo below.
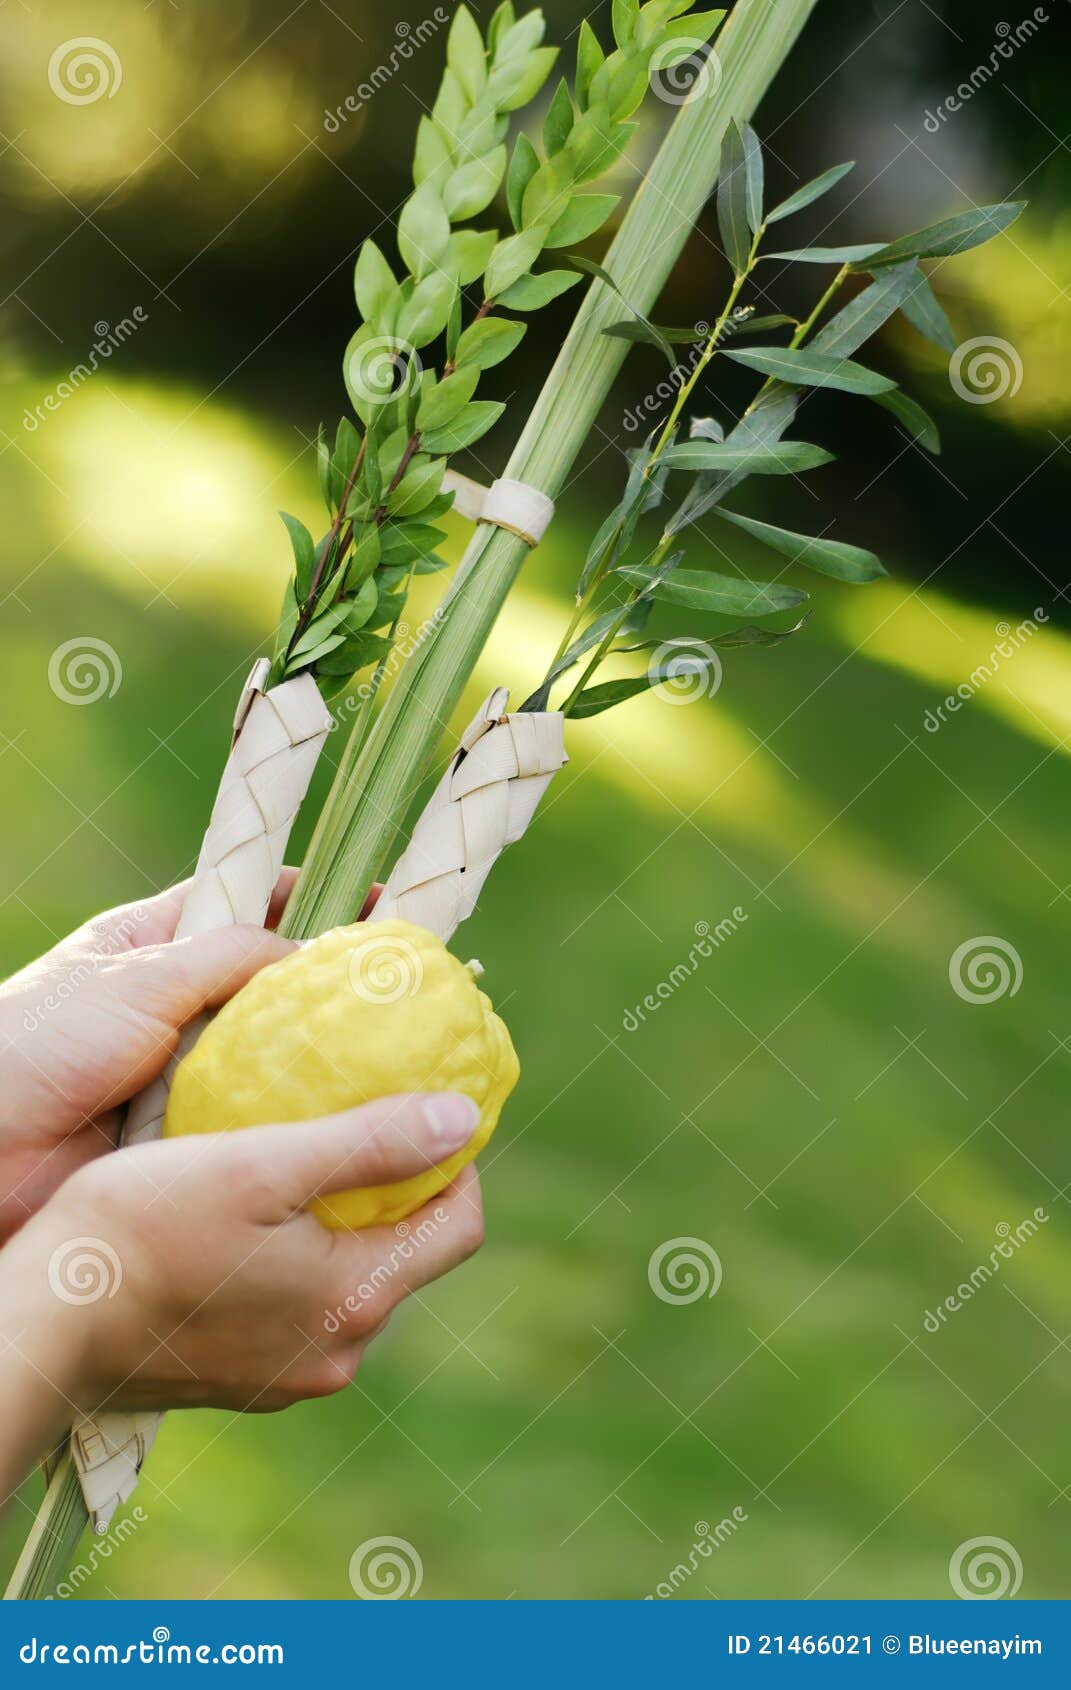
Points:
[(278, 736)]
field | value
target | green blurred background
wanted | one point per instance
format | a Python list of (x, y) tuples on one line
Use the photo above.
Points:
[(815, 1103)]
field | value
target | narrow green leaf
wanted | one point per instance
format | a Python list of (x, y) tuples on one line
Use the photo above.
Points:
[(733, 200), (364, 557), (810, 192), (753, 176), (829, 557), (728, 595), (786, 457), (850, 328), (952, 235), (924, 311), (918, 422), (825, 254), (801, 367)]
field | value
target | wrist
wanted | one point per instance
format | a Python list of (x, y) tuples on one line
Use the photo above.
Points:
[(50, 1319)]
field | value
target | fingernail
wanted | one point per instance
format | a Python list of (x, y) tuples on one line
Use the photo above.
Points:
[(452, 1118)]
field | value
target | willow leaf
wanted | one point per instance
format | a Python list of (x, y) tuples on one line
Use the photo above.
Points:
[(828, 557), (810, 192)]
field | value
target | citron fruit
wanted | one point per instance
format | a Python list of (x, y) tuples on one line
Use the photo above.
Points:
[(363, 1012)]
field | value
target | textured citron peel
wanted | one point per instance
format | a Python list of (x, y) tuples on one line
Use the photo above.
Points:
[(366, 1011)]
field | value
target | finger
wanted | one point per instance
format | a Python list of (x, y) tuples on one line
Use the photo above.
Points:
[(392, 1138), (388, 1263), (175, 982), (283, 888), (148, 921), (371, 901)]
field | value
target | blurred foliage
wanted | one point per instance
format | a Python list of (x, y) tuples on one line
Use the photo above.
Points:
[(816, 1101)]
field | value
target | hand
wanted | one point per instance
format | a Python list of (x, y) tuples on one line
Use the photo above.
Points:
[(186, 1273), (92, 1022)]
